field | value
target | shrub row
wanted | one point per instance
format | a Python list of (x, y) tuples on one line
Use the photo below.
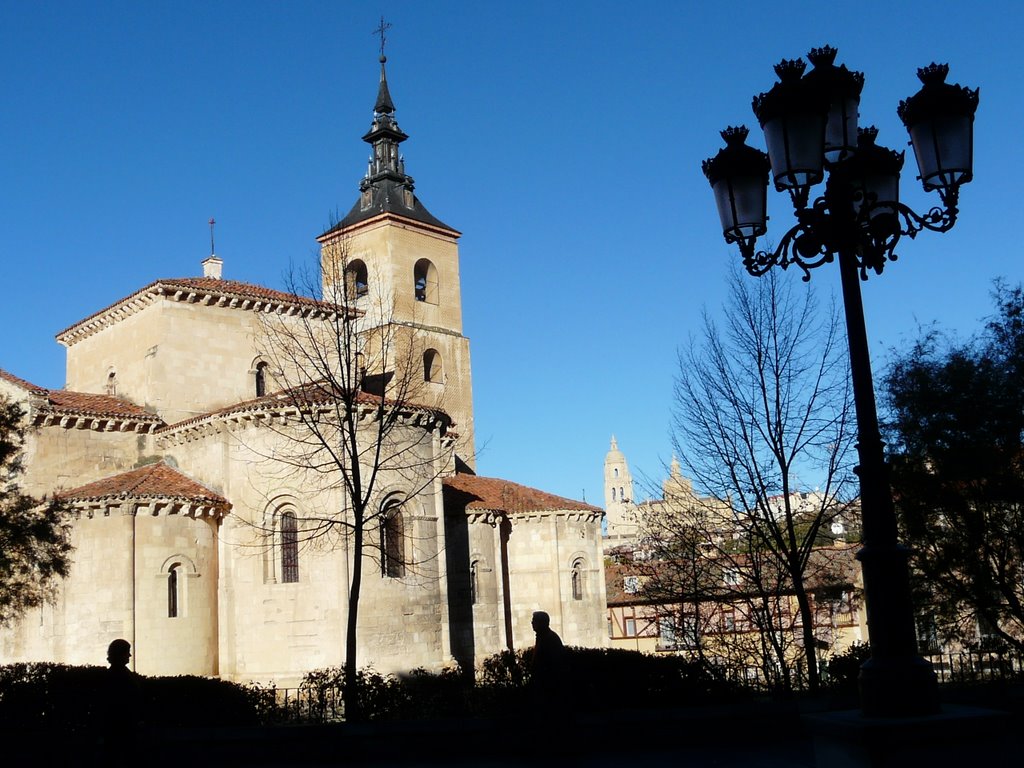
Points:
[(70, 697), (597, 679)]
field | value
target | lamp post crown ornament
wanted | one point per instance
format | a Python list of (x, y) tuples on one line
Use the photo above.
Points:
[(937, 97)]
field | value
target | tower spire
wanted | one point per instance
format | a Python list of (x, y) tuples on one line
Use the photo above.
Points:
[(386, 187), (384, 104)]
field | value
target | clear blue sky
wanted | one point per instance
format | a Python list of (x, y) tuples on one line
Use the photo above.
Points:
[(563, 139)]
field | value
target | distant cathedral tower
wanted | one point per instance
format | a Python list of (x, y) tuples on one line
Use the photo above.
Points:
[(401, 268), (618, 492)]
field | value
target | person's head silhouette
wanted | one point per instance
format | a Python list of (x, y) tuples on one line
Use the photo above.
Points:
[(118, 653), (540, 621)]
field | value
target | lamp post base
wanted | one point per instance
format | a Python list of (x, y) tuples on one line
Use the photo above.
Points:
[(901, 687)]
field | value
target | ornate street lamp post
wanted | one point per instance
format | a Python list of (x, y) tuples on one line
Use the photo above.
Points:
[(810, 127)]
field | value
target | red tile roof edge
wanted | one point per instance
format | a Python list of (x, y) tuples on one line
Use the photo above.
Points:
[(234, 288), (82, 403), (21, 383), (157, 480), (279, 399), (495, 494)]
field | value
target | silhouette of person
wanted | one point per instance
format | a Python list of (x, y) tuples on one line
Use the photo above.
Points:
[(548, 669), (120, 706)]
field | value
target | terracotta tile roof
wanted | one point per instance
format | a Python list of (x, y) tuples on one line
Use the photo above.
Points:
[(156, 481), (86, 404), (306, 395), (27, 386), (64, 401), (496, 495), (208, 286)]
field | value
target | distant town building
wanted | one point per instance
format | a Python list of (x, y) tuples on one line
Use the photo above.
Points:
[(642, 615)]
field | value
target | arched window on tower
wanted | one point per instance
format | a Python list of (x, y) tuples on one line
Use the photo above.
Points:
[(392, 542), (613, 493), (615, 472), (425, 281), (577, 579), (173, 590), (289, 548), (432, 369), (474, 582), (262, 377), (357, 282)]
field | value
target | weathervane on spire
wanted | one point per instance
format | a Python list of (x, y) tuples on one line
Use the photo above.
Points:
[(212, 222), (382, 30)]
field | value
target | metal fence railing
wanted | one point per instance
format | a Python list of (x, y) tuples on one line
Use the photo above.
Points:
[(977, 666), (299, 705)]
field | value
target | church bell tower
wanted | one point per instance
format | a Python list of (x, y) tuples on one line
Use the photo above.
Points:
[(400, 265), (620, 511)]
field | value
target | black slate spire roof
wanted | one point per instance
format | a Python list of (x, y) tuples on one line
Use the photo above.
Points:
[(386, 187)]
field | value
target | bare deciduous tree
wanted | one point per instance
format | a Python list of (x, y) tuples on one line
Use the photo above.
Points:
[(357, 424), (760, 403)]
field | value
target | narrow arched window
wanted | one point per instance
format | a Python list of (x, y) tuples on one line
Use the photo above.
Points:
[(474, 582), (289, 548), (615, 472), (173, 590), (577, 580), (111, 384), (432, 370), (392, 544), (613, 493), (261, 379), (357, 282), (425, 281)]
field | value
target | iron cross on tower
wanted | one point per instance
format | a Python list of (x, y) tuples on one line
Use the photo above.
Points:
[(382, 30)]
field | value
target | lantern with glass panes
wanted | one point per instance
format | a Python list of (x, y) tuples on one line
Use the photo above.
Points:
[(810, 128)]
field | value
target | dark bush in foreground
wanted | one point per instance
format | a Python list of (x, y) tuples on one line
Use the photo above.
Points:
[(843, 669), (44, 694), (595, 679), (71, 698), (190, 700)]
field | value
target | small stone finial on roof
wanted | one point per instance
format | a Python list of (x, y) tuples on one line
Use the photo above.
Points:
[(614, 445), (212, 265)]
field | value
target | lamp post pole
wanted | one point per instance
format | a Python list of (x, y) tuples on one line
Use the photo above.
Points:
[(810, 126)]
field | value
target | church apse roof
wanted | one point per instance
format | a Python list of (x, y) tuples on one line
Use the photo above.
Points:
[(491, 494), (156, 482), (201, 290), (68, 408), (284, 403), (27, 386)]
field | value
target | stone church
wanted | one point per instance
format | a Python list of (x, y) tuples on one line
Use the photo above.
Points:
[(163, 440)]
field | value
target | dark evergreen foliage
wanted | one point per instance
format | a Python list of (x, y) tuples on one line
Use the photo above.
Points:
[(956, 421), (35, 535)]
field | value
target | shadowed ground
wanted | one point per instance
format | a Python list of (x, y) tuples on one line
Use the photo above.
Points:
[(755, 735)]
